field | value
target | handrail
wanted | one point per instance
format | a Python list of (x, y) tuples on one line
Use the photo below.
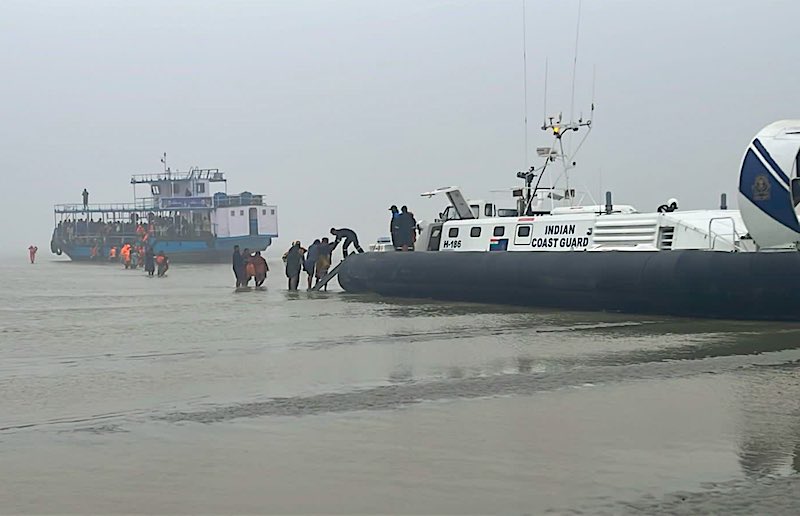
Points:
[(713, 234)]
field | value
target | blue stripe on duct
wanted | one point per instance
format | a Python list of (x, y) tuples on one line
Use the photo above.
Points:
[(763, 190), (764, 154)]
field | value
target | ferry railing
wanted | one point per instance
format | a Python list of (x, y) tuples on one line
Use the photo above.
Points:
[(146, 205), (713, 235), (213, 175)]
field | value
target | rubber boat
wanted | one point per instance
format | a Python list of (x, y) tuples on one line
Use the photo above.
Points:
[(552, 251)]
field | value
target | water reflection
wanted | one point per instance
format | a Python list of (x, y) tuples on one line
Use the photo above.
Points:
[(768, 405)]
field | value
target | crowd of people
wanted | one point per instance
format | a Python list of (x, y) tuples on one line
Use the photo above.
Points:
[(134, 256), (249, 266), (314, 260), (161, 227)]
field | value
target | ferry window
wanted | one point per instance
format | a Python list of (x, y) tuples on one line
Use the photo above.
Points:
[(476, 210), (272, 212), (452, 233), (523, 231), (475, 232), (499, 231), (488, 210), (263, 212), (201, 188), (233, 213), (155, 189), (241, 212)]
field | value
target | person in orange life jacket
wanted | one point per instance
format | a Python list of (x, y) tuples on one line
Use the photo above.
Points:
[(162, 261)]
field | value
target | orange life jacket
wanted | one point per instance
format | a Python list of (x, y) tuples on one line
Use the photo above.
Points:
[(160, 259)]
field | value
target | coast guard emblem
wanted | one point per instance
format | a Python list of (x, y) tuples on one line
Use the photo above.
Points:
[(761, 188)]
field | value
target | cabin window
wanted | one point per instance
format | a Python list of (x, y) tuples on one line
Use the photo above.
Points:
[(201, 188), (241, 212), (263, 212), (488, 210), (476, 210), (272, 212), (475, 232), (233, 213), (499, 231), (436, 232), (155, 189), (523, 231), (452, 233)]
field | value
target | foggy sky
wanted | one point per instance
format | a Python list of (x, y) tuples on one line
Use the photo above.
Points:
[(336, 110)]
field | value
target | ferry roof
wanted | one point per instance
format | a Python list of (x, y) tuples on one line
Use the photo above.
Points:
[(212, 175)]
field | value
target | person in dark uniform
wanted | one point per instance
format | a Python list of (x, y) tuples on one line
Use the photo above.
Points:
[(294, 263), (238, 266), (393, 228), (149, 262), (85, 198), (406, 229), (349, 236)]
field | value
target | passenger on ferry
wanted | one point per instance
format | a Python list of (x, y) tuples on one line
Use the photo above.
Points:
[(325, 258), (393, 228), (85, 195), (149, 262), (32, 253), (294, 262), (93, 252), (261, 268), (238, 266), (163, 264), (349, 236), (112, 254), (310, 263)]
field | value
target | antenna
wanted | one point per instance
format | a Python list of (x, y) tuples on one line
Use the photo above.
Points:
[(525, 79), (544, 110), (575, 64)]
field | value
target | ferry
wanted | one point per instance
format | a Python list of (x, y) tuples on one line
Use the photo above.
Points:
[(190, 216), (552, 250)]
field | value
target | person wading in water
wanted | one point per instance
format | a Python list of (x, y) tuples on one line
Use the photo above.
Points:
[(294, 262), (238, 266), (261, 268)]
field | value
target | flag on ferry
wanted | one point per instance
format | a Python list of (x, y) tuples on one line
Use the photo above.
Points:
[(498, 244)]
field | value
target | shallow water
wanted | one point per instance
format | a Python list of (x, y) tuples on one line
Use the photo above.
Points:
[(120, 393)]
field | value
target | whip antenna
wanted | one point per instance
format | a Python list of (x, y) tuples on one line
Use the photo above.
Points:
[(525, 80)]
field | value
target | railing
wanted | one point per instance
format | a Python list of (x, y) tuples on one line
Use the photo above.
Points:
[(143, 205), (211, 174), (713, 235)]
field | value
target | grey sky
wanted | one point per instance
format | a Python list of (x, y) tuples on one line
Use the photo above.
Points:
[(335, 110)]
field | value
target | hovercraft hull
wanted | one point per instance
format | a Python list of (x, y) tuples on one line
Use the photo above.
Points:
[(692, 283)]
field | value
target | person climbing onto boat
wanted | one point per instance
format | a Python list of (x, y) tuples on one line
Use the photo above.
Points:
[(325, 258), (310, 263), (85, 196), (294, 262), (393, 228), (162, 261), (149, 262), (349, 236), (238, 266), (32, 253), (261, 268)]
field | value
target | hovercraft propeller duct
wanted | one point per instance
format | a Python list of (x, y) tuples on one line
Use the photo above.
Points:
[(769, 187)]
